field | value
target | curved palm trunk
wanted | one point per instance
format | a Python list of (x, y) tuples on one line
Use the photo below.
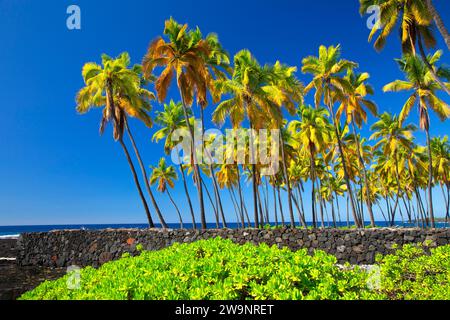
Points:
[(281, 207), (241, 212), (288, 184), (366, 181), (429, 66), (144, 176), (255, 201), (198, 178), (176, 208), (217, 195), (346, 177), (261, 213), (187, 196), (300, 214), (241, 199), (110, 102), (322, 223), (439, 23), (337, 208), (275, 210), (347, 212), (313, 189), (216, 214), (447, 216), (266, 201), (430, 176), (136, 181), (254, 186)]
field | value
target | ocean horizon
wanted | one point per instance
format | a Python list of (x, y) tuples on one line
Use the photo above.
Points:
[(15, 231)]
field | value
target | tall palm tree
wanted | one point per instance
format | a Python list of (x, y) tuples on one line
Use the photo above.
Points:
[(330, 85), (415, 18), (187, 56), (103, 85), (248, 99), (312, 132), (353, 105), (439, 22), (283, 90), (170, 120), (424, 88), (440, 149), (138, 105), (393, 139), (165, 176)]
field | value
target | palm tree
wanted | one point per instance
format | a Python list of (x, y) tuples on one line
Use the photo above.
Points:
[(137, 106), (353, 106), (248, 99), (103, 84), (329, 84), (312, 133), (170, 120), (423, 87), (283, 90), (187, 56), (415, 27), (165, 175), (439, 23), (440, 149), (393, 139)]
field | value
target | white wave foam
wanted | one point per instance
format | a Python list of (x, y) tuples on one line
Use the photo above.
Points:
[(10, 236)]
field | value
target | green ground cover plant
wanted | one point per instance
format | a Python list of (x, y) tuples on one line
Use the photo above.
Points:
[(221, 269)]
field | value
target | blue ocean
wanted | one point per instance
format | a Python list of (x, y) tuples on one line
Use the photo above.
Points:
[(15, 231)]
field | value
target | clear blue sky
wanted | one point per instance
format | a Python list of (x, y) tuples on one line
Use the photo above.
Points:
[(55, 168)]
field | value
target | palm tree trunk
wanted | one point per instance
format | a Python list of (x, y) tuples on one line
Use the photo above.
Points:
[(286, 180), (301, 202), (346, 177), (313, 190), (255, 201), (348, 213), (430, 175), (275, 210), (241, 198), (429, 66), (281, 207), (333, 215), (136, 181), (236, 208), (176, 208), (439, 23), (447, 216), (144, 176), (322, 223), (261, 214), (241, 212), (197, 176), (337, 207), (300, 215), (216, 214), (110, 99), (366, 181), (187, 196), (217, 195)]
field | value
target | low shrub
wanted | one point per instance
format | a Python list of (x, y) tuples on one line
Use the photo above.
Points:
[(213, 269), (220, 269)]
